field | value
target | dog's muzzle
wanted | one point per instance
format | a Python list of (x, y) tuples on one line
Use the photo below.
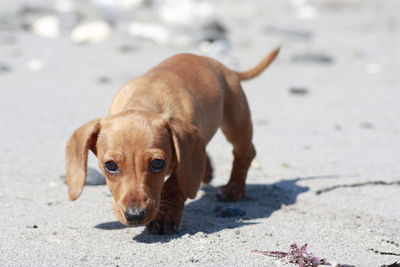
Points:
[(134, 215)]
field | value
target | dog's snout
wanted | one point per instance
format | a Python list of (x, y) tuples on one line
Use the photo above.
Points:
[(135, 215)]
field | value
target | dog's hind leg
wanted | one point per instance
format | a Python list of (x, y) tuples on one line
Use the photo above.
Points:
[(238, 129)]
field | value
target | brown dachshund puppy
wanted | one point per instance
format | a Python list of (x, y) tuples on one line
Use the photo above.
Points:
[(159, 126)]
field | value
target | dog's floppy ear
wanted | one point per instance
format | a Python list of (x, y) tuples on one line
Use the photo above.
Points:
[(78, 145), (190, 152)]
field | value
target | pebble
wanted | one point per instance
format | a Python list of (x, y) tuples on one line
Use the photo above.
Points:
[(4, 68), (53, 202), (291, 33), (213, 31), (298, 90), (228, 212), (46, 26), (127, 48), (313, 57), (366, 125), (94, 177), (91, 32), (153, 31), (104, 80)]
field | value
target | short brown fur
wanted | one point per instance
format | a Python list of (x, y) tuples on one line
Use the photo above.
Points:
[(169, 113)]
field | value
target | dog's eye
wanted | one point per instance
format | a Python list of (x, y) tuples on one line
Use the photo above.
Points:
[(111, 167), (156, 165)]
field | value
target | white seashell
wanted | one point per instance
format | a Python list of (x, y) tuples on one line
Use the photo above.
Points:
[(47, 26), (91, 32), (153, 31)]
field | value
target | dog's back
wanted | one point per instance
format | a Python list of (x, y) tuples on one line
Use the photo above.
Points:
[(193, 88)]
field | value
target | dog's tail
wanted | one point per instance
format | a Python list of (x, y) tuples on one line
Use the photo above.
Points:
[(247, 75)]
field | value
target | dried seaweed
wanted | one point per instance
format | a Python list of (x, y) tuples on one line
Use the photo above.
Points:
[(384, 252), (297, 255), (357, 185), (395, 264)]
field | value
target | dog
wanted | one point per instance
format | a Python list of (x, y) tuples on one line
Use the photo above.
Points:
[(158, 126)]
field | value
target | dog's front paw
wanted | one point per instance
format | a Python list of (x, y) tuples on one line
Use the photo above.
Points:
[(230, 193), (166, 222)]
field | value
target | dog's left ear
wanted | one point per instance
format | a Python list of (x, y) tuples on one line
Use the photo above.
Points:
[(83, 139), (190, 152)]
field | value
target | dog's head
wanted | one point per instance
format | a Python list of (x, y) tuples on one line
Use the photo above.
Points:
[(136, 151)]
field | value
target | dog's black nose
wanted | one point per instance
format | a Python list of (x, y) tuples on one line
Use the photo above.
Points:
[(135, 215)]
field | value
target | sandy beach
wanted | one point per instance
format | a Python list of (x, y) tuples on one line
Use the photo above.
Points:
[(326, 128)]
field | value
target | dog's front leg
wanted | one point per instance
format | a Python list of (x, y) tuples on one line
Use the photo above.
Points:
[(168, 219)]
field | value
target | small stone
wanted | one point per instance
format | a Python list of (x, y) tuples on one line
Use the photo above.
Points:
[(154, 31), (367, 125), (298, 90), (91, 32), (4, 68), (127, 48), (291, 33), (53, 202), (286, 165), (94, 177), (104, 80), (47, 27), (214, 31), (312, 57)]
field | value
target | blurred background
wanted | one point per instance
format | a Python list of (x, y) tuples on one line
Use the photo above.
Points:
[(335, 80), (326, 110)]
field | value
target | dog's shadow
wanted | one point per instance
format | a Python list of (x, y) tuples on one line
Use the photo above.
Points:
[(208, 215)]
